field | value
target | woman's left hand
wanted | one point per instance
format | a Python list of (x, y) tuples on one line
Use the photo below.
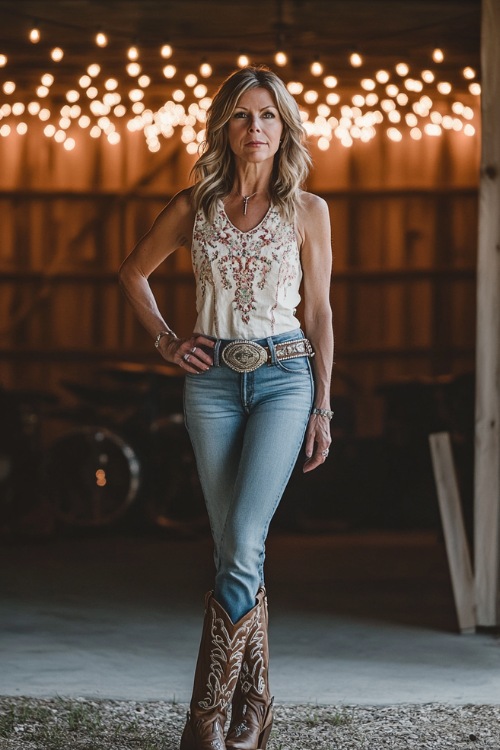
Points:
[(318, 441)]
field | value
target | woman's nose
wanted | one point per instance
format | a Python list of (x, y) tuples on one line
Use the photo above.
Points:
[(254, 124)]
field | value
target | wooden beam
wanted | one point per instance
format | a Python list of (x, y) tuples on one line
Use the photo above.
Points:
[(487, 458), (455, 537)]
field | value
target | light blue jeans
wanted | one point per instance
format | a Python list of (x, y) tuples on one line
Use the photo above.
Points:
[(247, 430)]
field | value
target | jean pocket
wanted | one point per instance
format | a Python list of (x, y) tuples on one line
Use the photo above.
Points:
[(297, 365)]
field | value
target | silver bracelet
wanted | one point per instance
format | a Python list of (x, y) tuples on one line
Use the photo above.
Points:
[(322, 412), (161, 335)]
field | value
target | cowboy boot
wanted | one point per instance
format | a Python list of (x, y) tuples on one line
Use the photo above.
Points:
[(252, 706), (217, 669)]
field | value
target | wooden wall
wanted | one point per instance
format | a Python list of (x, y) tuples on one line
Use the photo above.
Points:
[(404, 227)]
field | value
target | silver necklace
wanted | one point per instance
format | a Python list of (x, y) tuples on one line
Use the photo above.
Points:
[(246, 198)]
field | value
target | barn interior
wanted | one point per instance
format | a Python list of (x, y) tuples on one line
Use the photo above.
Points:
[(102, 111)]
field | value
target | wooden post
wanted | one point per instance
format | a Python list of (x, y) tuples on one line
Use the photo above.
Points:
[(454, 531), (487, 458)]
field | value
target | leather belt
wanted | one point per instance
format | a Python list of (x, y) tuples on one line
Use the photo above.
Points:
[(247, 356)]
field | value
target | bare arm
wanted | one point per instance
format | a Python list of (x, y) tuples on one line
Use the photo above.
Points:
[(171, 229), (317, 267)]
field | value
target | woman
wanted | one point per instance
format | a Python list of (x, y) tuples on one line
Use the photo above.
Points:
[(249, 397)]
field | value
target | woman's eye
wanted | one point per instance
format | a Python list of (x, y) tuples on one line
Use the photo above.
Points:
[(240, 115), (269, 115)]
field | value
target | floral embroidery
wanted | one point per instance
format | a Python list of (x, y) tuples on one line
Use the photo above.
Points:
[(249, 273)]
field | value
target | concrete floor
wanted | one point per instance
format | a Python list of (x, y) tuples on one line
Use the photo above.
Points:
[(355, 619)]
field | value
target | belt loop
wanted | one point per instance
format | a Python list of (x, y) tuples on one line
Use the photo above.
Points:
[(216, 354), (272, 350)]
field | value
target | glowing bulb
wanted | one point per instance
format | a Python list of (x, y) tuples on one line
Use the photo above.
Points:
[(44, 114), (101, 39), (243, 61), (59, 136), (18, 108), (416, 134), (120, 110), (200, 91), (72, 96), (402, 69), (144, 81), (330, 82), (133, 53), (111, 84), (191, 80), (49, 130), (475, 89), (368, 84), (42, 91), (22, 128), (64, 123), (311, 96), (34, 108), (93, 70), (411, 119), (432, 129), (178, 95), (391, 90), (316, 68), (192, 147), (371, 99), (9, 87), (69, 144), (438, 55), (92, 92), (323, 143), (394, 134), (205, 70), (332, 98), (382, 76), (133, 69), (5, 130), (135, 95), (57, 54), (323, 110), (402, 99), (444, 87), (355, 59), (84, 121), (427, 76), (469, 129), (295, 87), (280, 58), (169, 71), (166, 51), (394, 116), (95, 132), (34, 35), (469, 73), (114, 138), (3, 61), (358, 100), (84, 81)]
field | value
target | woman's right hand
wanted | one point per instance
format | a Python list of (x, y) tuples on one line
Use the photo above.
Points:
[(187, 353)]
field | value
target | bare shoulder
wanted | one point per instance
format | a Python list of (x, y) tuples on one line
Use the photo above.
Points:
[(312, 214), (182, 203)]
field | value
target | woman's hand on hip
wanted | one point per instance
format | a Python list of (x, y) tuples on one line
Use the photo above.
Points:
[(188, 353), (318, 441)]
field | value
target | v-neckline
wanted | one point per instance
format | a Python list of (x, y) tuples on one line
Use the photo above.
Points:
[(248, 231)]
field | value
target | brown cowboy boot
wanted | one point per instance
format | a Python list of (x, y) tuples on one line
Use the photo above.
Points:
[(217, 669), (252, 706)]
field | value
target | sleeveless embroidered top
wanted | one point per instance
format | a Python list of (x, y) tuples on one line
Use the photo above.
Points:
[(247, 283)]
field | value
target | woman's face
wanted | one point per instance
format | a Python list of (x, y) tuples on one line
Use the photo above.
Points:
[(255, 127)]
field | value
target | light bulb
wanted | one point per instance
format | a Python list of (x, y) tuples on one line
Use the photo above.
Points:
[(144, 81), (34, 35), (316, 68), (330, 82), (72, 96), (469, 73), (205, 70), (111, 84), (355, 59), (295, 87), (311, 96), (9, 87), (280, 58), (382, 76), (133, 53), (3, 61), (332, 98), (101, 39), (444, 87), (368, 84), (166, 51), (475, 89), (402, 69), (57, 54), (438, 55), (93, 70), (47, 79), (427, 76), (133, 69), (191, 80), (85, 81), (243, 61), (169, 71), (394, 134)]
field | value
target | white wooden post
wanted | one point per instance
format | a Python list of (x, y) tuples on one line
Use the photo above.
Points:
[(487, 458)]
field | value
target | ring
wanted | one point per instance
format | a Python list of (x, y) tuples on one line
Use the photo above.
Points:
[(193, 350), (185, 357), (325, 453)]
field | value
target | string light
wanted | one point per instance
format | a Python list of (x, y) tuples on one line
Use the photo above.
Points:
[(368, 84), (9, 87), (438, 55), (72, 96), (382, 76), (3, 61), (111, 84), (205, 70), (444, 87), (169, 71), (101, 39), (475, 89), (243, 61), (355, 59), (330, 82), (57, 54), (166, 51), (295, 87), (93, 70), (133, 69), (316, 68), (402, 69), (34, 35), (281, 58), (144, 81), (133, 53), (191, 80), (427, 76), (468, 73)]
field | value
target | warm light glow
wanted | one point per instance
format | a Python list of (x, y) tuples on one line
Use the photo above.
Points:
[(47, 79), (84, 121), (316, 68), (42, 91), (101, 39), (133, 69), (411, 120), (387, 105), (3, 61), (133, 53), (243, 61), (295, 87), (475, 89), (166, 51), (57, 54), (358, 100), (178, 95), (18, 108), (355, 59), (368, 84), (34, 108), (444, 87), (93, 70), (135, 95), (69, 144), (5, 130), (111, 84), (332, 98), (402, 69), (330, 82), (382, 76), (169, 71), (114, 138), (120, 110), (371, 99), (9, 87), (468, 73), (191, 80), (323, 110), (394, 116), (49, 130), (438, 55), (22, 128), (92, 92), (392, 90), (394, 134), (416, 134), (34, 35), (192, 148), (323, 143), (138, 107), (402, 99), (468, 113), (428, 76), (205, 70), (95, 132), (200, 91), (85, 81), (436, 117), (311, 96), (432, 129), (44, 114), (469, 129), (59, 136), (144, 81), (72, 96), (280, 58)]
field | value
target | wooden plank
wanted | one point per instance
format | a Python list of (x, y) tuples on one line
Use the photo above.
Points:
[(457, 548), (487, 457)]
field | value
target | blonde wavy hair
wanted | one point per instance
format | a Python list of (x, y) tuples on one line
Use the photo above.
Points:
[(214, 171)]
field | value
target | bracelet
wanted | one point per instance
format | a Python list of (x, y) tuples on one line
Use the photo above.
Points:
[(322, 413), (161, 335)]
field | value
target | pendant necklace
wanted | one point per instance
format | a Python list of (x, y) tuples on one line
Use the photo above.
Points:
[(246, 198)]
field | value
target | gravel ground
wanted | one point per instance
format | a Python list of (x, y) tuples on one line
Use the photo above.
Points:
[(59, 724)]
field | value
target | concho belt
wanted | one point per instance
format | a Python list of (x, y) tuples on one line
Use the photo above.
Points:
[(247, 356)]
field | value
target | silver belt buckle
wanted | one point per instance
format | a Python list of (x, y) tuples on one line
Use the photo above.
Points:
[(244, 356)]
